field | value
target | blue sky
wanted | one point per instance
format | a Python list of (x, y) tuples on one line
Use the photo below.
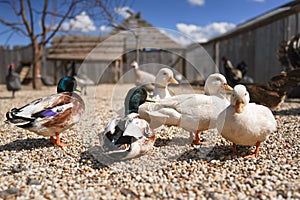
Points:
[(200, 19)]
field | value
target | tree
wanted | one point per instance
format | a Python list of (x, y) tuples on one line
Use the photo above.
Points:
[(40, 21)]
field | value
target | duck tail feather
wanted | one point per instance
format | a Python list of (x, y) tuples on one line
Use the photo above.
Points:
[(19, 121)]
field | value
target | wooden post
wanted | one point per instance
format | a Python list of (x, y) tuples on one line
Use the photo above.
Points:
[(121, 70), (217, 56), (55, 72)]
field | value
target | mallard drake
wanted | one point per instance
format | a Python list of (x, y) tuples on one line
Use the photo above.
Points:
[(163, 78), (245, 123), (192, 112), (142, 78), (51, 115), (275, 90), (129, 136), (13, 82)]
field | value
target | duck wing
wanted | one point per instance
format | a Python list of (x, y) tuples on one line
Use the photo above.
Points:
[(186, 111), (13, 82), (55, 110), (186, 103)]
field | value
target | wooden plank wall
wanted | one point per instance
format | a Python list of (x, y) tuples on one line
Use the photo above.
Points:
[(153, 61), (150, 61), (17, 55), (199, 63), (257, 48)]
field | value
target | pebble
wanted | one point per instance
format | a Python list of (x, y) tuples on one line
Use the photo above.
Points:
[(33, 182), (33, 168)]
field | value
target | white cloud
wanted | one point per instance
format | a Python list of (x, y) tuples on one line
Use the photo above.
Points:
[(203, 34), (196, 2), (81, 23), (105, 29), (123, 11)]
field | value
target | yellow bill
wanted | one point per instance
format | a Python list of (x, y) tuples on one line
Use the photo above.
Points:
[(173, 80)]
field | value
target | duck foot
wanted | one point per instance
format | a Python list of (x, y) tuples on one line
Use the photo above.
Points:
[(196, 139), (255, 154), (152, 150), (250, 156), (234, 151), (57, 141)]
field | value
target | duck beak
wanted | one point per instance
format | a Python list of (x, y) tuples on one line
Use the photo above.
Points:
[(149, 99), (227, 87), (173, 80), (78, 89), (239, 107)]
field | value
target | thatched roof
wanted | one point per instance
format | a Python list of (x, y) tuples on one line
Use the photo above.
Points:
[(73, 47), (112, 46)]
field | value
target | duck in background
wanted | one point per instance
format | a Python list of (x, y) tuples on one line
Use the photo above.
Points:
[(192, 112), (233, 75), (13, 82), (129, 136), (82, 80), (245, 123), (275, 90), (51, 115), (142, 78), (163, 78)]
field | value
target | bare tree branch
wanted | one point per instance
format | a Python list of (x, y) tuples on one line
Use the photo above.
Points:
[(3, 21), (61, 21), (28, 28), (30, 15), (44, 31), (52, 16)]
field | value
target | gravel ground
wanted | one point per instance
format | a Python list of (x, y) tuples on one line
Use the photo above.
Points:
[(32, 168)]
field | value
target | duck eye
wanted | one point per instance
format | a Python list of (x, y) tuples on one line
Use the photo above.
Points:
[(246, 94), (164, 73)]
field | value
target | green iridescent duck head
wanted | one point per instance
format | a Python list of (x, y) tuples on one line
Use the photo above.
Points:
[(66, 84), (135, 97)]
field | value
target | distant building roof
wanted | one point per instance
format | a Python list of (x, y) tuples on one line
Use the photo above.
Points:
[(73, 47), (110, 47)]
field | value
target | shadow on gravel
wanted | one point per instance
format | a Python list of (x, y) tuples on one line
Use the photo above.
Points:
[(88, 158), (292, 111), (218, 152), (7, 97), (26, 144)]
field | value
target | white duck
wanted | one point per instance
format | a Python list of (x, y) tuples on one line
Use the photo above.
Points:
[(192, 112), (245, 123), (162, 80), (83, 81), (129, 136), (142, 78)]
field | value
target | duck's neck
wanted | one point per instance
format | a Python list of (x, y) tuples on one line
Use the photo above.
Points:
[(10, 70), (161, 92), (131, 108)]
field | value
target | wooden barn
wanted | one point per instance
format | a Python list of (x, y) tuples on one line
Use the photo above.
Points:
[(108, 58), (255, 42)]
